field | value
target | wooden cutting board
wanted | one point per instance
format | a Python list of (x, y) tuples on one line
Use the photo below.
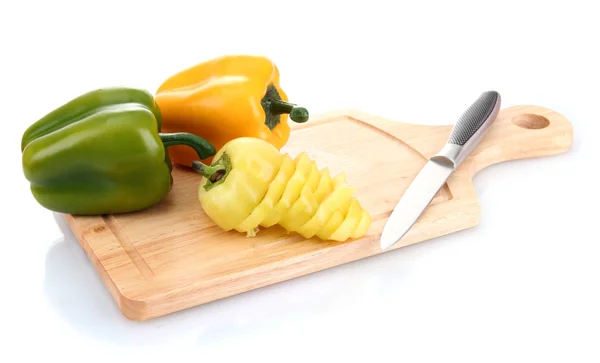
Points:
[(172, 257)]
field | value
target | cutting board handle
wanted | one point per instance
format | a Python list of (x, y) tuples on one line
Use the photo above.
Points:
[(521, 132)]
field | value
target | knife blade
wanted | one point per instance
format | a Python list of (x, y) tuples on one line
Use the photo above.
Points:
[(466, 134)]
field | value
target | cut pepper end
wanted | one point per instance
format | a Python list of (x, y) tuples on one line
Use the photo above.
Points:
[(299, 114)]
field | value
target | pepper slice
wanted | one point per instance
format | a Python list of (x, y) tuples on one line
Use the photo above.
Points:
[(331, 212), (305, 206), (252, 184), (226, 98), (349, 224), (291, 192), (275, 191), (102, 152)]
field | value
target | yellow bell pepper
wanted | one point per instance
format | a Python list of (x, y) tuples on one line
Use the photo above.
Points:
[(252, 184), (226, 98)]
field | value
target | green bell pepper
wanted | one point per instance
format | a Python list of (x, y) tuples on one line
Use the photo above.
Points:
[(103, 153)]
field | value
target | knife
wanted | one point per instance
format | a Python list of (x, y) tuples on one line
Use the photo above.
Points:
[(466, 134)]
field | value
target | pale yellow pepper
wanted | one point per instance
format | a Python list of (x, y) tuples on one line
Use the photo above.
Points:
[(251, 184)]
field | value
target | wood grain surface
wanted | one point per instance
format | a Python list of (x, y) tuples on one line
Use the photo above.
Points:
[(172, 257)]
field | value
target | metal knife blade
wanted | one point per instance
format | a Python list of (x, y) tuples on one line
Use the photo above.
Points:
[(466, 134)]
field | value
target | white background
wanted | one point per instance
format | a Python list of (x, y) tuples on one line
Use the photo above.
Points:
[(522, 286)]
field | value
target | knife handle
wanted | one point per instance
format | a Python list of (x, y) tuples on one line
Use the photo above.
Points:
[(469, 129)]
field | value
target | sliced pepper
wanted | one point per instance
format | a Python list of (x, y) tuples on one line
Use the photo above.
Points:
[(276, 188), (103, 152), (250, 184), (226, 98)]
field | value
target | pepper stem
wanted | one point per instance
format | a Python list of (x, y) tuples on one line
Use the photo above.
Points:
[(212, 173), (216, 173), (297, 114), (203, 148)]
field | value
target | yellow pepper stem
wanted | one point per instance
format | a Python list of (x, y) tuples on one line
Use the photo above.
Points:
[(297, 114), (274, 106), (216, 173)]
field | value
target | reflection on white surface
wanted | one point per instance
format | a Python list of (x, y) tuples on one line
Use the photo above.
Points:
[(76, 291), (346, 294)]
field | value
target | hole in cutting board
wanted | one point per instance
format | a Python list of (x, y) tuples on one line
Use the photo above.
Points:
[(531, 121)]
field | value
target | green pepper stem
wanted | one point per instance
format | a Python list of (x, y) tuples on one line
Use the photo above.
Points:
[(297, 114), (216, 173), (203, 148), (212, 173)]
